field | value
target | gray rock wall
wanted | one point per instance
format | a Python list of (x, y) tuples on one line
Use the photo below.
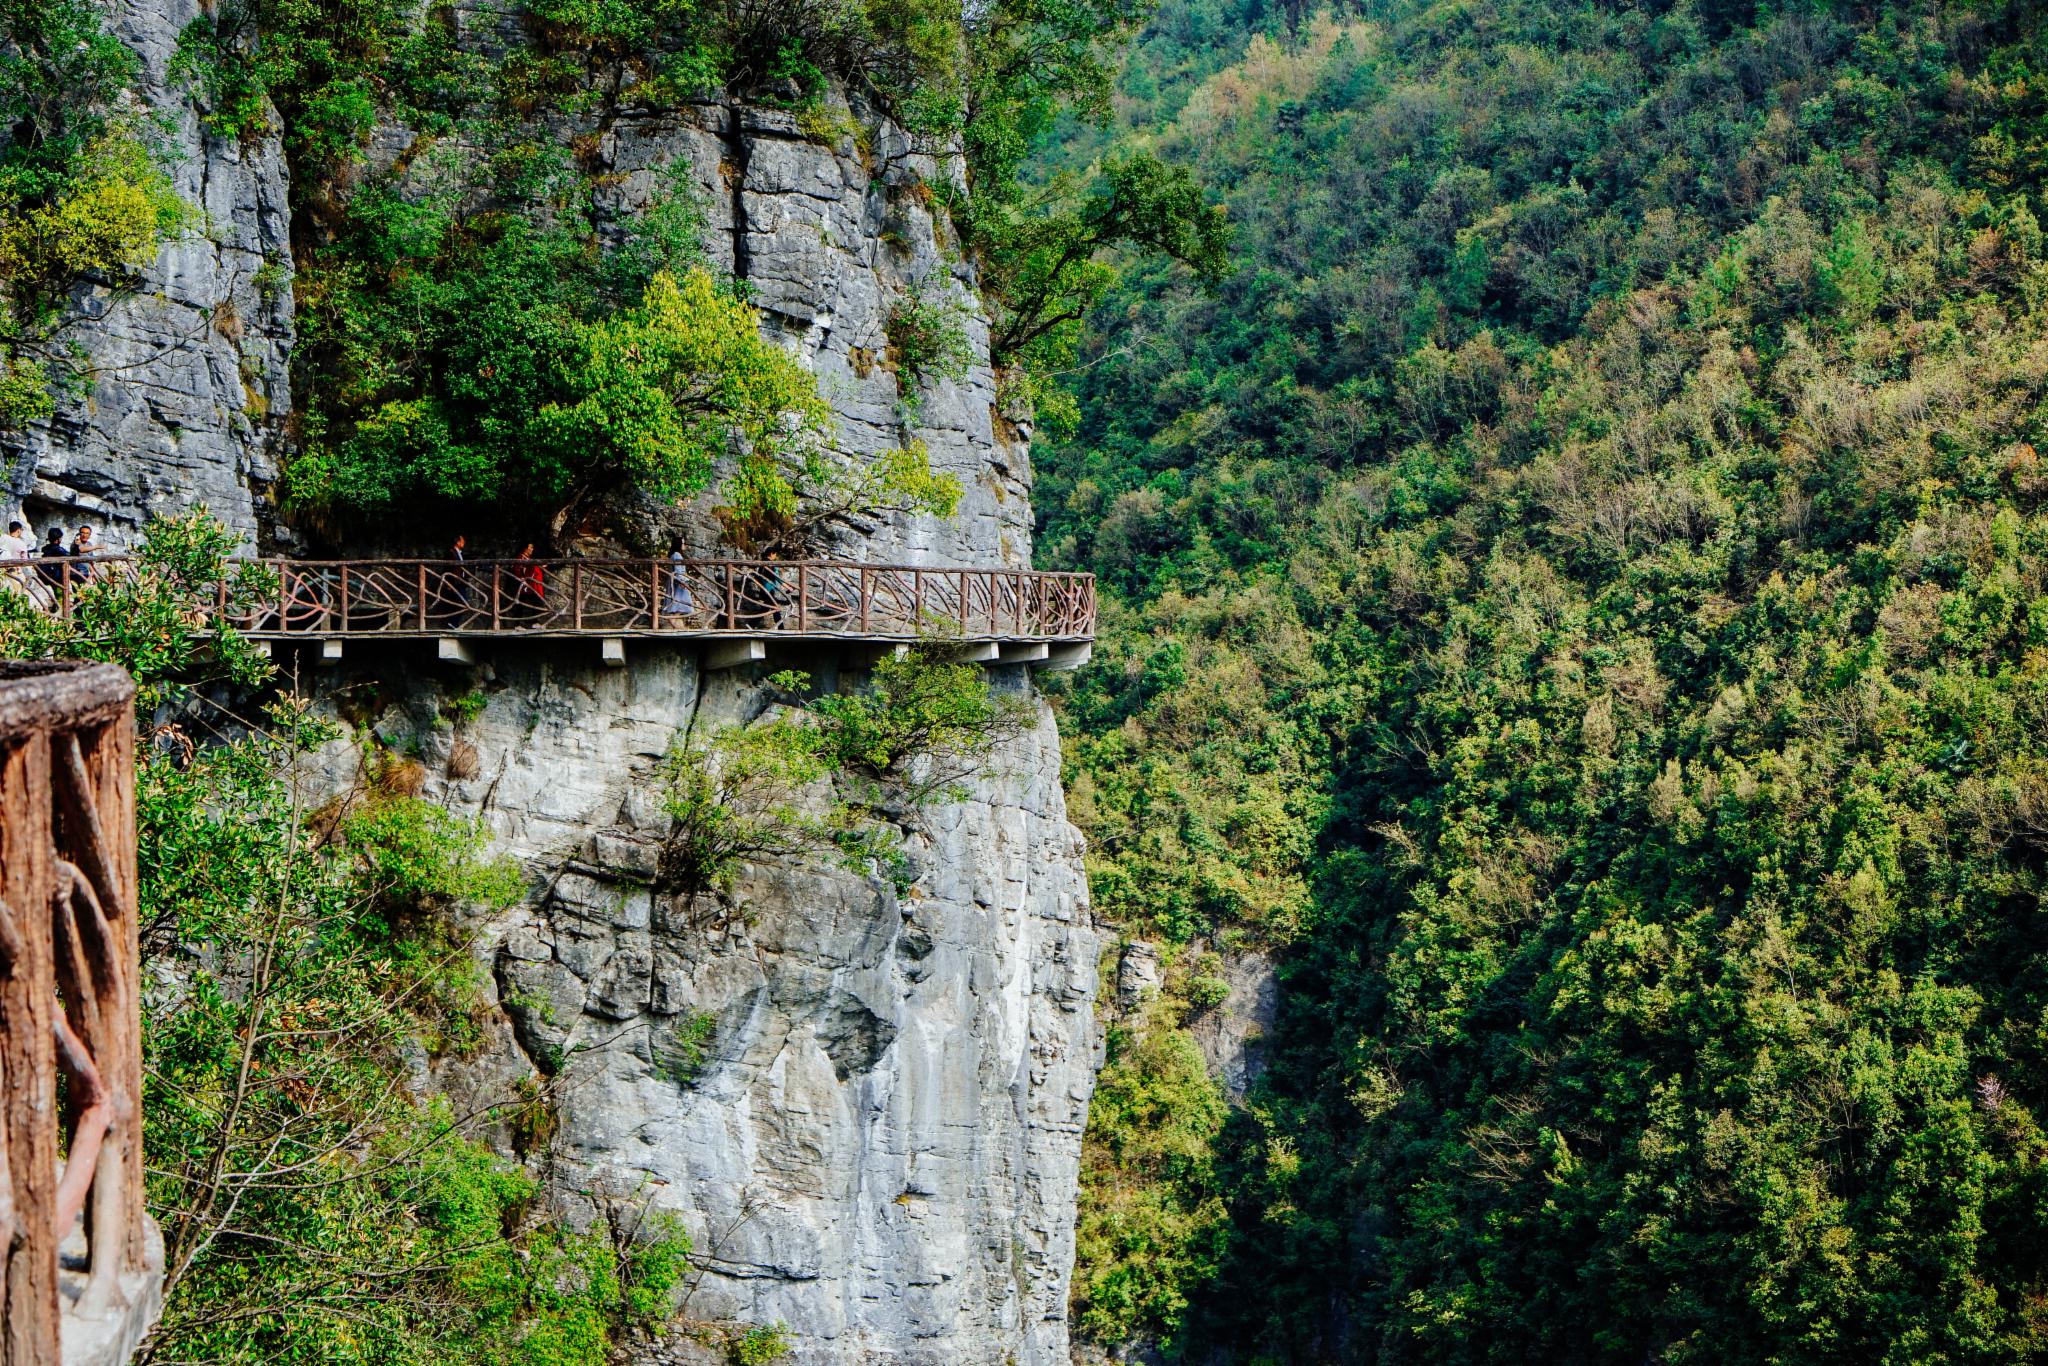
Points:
[(878, 1142), (186, 368)]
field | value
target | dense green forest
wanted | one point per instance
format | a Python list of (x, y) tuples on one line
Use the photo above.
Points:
[(1577, 594)]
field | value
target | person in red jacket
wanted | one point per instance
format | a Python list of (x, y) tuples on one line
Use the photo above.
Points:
[(531, 579)]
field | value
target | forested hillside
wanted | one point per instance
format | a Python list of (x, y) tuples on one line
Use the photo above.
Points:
[(1577, 597)]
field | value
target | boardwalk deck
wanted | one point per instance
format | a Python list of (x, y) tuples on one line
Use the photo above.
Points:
[(821, 599)]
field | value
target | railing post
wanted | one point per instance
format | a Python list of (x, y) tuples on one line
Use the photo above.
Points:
[(28, 1066), (803, 596), (497, 594), (866, 596), (917, 600), (576, 594), (731, 608), (71, 990), (654, 598), (342, 625)]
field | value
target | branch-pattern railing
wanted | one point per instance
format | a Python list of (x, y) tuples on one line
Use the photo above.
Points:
[(69, 1003), (625, 597)]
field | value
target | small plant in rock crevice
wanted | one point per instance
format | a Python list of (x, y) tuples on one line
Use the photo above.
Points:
[(757, 1346), (685, 1052), (814, 780), (928, 340)]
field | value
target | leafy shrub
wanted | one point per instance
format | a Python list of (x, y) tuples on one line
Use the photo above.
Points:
[(423, 854), (921, 722), (758, 1346), (114, 209), (24, 392), (684, 1059), (927, 332)]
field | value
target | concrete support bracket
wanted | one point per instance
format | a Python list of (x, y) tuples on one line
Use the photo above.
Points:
[(730, 654), (1067, 656)]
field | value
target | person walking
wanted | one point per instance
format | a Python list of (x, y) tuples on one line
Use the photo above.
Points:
[(53, 570), (774, 591), (14, 550), (530, 579), (458, 577), (679, 603)]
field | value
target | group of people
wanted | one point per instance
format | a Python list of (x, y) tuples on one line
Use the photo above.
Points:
[(54, 562), (529, 586), (529, 580)]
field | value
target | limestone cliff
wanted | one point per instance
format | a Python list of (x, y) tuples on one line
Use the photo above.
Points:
[(874, 1139), (184, 374), (878, 1141)]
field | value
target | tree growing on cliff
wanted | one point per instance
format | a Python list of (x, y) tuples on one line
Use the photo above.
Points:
[(922, 724), (789, 502), (82, 190), (1048, 252), (655, 396), (832, 774), (740, 795)]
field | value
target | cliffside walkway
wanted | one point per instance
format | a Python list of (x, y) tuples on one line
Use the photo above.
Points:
[(736, 606)]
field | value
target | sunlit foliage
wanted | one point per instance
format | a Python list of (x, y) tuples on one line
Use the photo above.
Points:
[(1579, 598)]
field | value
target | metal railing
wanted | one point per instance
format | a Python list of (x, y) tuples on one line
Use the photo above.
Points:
[(322, 598), (83, 1265)]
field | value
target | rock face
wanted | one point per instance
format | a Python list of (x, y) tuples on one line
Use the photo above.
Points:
[(187, 367), (833, 239), (865, 1106)]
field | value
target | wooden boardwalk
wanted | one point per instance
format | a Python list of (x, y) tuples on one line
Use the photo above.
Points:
[(336, 600)]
